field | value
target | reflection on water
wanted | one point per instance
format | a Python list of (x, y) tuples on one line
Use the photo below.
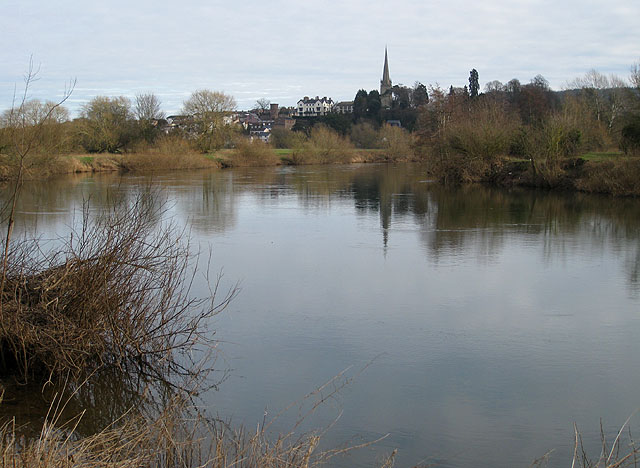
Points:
[(495, 318)]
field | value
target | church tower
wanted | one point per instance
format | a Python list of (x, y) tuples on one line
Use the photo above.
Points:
[(385, 84)]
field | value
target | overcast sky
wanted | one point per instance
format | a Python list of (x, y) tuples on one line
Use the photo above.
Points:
[(282, 50)]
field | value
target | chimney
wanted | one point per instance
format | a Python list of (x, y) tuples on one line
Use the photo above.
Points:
[(273, 111)]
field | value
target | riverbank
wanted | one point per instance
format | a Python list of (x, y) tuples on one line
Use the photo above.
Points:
[(610, 173), (250, 155), (598, 173)]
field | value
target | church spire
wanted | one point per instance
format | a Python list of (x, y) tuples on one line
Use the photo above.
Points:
[(386, 80), (385, 84)]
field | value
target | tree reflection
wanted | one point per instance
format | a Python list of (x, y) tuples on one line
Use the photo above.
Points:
[(470, 220)]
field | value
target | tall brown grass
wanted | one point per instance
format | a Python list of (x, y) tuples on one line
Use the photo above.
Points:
[(397, 144), (176, 434), (615, 177), (252, 153), (621, 452), (324, 146), (167, 152)]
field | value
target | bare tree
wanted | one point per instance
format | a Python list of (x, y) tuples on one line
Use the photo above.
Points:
[(208, 110), (24, 133), (493, 86), (147, 107), (36, 111), (147, 111), (44, 120), (263, 104), (635, 75), (606, 95)]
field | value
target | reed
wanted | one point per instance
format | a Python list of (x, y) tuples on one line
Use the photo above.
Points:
[(324, 146), (176, 434), (252, 153)]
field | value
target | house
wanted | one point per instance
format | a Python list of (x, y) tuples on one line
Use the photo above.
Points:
[(314, 107), (263, 134), (343, 107), (285, 123)]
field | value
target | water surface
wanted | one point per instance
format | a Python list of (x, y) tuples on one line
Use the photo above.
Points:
[(478, 324)]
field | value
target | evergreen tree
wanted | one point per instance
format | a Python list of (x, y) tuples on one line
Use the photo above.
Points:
[(360, 105), (474, 83)]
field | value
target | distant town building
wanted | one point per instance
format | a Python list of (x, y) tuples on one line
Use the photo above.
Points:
[(246, 119), (314, 107), (386, 97), (273, 111), (284, 123), (344, 107), (263, 134)]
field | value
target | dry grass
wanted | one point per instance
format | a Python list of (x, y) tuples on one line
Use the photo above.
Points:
[(620, 177), (324, 146), (175, 435), (149, 162), (37, 166), (397, 144), (168, 152), (251, 153), (171, 438), (621, 452)]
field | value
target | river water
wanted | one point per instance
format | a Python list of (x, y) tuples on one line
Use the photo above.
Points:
[(474, 325)]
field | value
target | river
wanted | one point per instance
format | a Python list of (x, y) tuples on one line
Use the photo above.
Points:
[(474, 325)]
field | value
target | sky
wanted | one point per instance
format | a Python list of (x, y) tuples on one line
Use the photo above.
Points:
[(282, 50)]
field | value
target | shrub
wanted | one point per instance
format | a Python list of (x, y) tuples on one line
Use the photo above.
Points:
[(285, 139), (364, 135), (397, 143), (115, 293), (253, 153), (548, 147), (485, 134), (615, 177), (630, 136), (324, 146), (106, 125)]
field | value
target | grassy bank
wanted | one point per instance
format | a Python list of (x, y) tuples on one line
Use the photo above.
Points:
[(249, 155), (610, 173), (45, 167)]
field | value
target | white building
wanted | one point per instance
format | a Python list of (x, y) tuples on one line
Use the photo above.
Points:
[(314, 107)]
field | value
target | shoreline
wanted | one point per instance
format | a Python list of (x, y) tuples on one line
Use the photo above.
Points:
[(610, 173)]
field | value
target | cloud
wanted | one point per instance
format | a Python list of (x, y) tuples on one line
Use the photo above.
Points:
[(313, 47)]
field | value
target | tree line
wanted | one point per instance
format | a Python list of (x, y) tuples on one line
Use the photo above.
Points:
[(466, 135), (116, 123), (596, 112)]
